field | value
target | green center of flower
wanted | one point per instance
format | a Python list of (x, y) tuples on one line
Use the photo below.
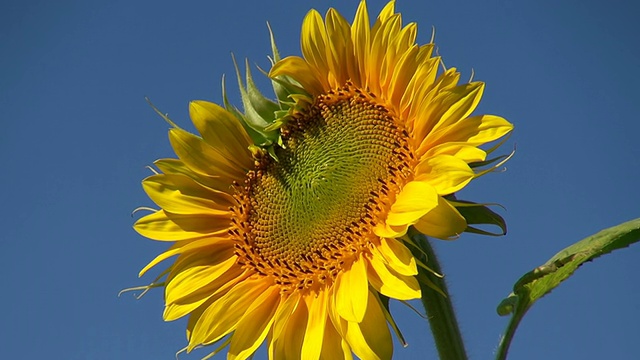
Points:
[(339, 164)]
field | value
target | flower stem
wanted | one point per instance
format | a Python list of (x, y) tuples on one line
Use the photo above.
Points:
[(437, 305)]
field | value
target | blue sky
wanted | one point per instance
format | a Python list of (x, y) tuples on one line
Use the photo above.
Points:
[(77, 135)]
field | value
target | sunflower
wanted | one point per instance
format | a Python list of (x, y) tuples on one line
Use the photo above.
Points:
[(289, 219)]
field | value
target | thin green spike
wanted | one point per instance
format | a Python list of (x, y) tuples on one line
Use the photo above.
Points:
[(164, 116), (216, 351), (410, 241), (274, 48), (479, 164), (502, 141), (493, 168), (407, 304), (146, 288)]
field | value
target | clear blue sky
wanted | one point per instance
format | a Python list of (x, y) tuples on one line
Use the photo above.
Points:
[(77, 134)]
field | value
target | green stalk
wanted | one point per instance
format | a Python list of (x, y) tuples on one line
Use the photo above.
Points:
[(505, 341), (437, 305)]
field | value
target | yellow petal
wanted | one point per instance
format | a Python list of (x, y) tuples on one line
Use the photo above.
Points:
[(458, 103), (334, 346), (285, 310), (165, 226), (352, 288), (416, 199), (288, 344), (220, 129), (299, 70), (370, 339), (381, 43), (407, 38), (427, 107), (313, 43), (202, 158), (181, 195), (313, 335), (384, 230), (195, 299), (196, 314), (403, 72), (338, 322), (223, 315), (342, 61), (418, 87), (448, 80), (185, 246), (197, 271), (254, 325), (386, 12), (461, 150), (389, 283), (175, 166), (361, 35), (399, 44), (176, 311), (445, 173), (443, 222), (476, 130), (397, 256)]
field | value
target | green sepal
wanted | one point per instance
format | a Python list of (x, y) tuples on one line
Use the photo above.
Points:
[(272, 152), (500, 143), (255, 136), (425, 273), (276, 125), (274, 49), (288, 87), (156, 283), (501, 160), (162, 115), (415, 247), (258, 111), (479, 164), (426, 281), (384, 301), (480, 214), (263, 106), (279, 88), (283, 116)]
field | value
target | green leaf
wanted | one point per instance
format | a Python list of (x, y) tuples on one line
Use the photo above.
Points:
[(541, 280)]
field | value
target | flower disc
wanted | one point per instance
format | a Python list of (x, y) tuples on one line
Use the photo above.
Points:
[(340, 165)]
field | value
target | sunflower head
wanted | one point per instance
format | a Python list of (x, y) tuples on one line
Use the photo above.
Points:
[(289, 219)]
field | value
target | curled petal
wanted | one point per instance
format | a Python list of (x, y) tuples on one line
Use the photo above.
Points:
[(301, 71), (445, 173), (416, 199), (443, 222), (389, 283)]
